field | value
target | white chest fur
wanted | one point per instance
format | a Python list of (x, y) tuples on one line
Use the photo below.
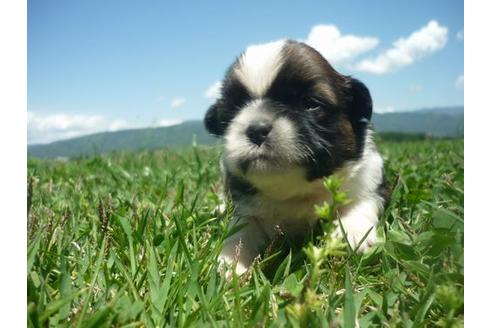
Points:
[(292, 212)]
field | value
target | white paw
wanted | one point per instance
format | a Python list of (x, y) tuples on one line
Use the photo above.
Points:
[(356, 235), (228, 265), (219, 209)]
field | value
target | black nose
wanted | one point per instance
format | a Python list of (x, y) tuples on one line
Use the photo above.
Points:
[(258, 132)]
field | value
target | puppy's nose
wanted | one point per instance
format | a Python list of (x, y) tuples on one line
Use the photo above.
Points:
[(258, 132)]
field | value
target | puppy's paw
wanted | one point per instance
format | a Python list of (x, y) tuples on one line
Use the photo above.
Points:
[(219, 209), (356, 235), (228, 265)]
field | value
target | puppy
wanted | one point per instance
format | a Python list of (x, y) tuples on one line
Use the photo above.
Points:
[(288, 120)]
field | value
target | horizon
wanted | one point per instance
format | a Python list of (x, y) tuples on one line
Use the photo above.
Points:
[(424, 109), (96, 67)]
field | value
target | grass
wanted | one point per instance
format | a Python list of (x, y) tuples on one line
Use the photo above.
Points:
[(129, 240)]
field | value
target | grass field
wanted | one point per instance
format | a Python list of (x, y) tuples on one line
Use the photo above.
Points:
[(128, 240)]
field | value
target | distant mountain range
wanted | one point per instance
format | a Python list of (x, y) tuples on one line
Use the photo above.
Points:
[(436, 122)]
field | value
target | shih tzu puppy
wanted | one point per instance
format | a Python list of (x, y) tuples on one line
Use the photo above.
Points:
[(288, 120)]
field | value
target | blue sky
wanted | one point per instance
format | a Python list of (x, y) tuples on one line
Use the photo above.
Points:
[(108, 65)]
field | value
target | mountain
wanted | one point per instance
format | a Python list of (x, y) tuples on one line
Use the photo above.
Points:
[(135, 139), (437, 122), (454, 110)]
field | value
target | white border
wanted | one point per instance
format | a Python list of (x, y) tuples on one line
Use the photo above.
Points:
[(478, 164), (478, 225), (13, 171)]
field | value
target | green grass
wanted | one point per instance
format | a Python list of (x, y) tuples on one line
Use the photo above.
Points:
[(128, 240)]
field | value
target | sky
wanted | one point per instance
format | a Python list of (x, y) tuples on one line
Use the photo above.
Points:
[(109, 65)]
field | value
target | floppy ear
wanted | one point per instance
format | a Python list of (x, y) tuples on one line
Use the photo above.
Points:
[(359, 111), (213, 122), (360, 106)]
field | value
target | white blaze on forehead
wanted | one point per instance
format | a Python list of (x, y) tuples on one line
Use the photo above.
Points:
[(259, 65), (253, 111)]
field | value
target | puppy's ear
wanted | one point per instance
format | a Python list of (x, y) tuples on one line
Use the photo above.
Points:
[(359, 111), (360, 104), (213, 122)]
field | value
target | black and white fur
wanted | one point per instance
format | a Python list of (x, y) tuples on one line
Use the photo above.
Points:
[(288, 120)]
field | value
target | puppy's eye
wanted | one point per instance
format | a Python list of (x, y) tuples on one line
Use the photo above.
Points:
[(314, 109), (313, 103), (317, 112)]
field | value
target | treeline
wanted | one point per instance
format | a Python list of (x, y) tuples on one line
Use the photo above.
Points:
[(407, 136)]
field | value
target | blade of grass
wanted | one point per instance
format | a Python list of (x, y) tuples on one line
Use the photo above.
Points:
[(93, 282), (349, 306)]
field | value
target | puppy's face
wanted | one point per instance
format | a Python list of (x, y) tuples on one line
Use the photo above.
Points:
[(284, 110)]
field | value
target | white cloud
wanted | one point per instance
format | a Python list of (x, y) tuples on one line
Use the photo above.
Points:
[(120, 125), (459, 83), (406, 51), (177, 102), (338, 48), (386, 109), (168, 122), (47, 128), (213, 92), (460, 35)]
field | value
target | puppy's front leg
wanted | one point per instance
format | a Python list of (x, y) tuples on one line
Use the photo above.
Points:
[(244, 245), (358, 219)]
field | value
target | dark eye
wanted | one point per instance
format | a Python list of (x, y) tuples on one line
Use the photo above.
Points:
[(313, 104), (314, 109)]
